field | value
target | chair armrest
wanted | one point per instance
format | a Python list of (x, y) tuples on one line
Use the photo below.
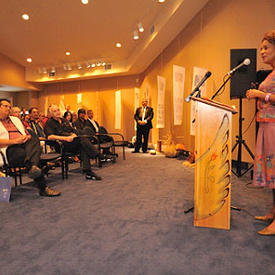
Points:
[(4, 159)]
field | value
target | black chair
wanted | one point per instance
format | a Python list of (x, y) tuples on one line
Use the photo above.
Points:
[(119, 143), (17, 171)]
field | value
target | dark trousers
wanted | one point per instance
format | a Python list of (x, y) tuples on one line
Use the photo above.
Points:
[(142, 132), (84, 146), (26, 154)]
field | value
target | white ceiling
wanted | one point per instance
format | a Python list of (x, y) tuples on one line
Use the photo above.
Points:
[(90, 32)]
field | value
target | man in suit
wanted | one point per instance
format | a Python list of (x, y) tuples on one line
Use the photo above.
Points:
[(97, 129), (143, 117), (90, 122)]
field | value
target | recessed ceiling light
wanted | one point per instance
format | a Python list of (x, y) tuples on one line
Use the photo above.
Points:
[(68, 53), (161, 1), (135, 36), (140, 27), (25, 16), (85, 2), (29, 60), (118, 45)]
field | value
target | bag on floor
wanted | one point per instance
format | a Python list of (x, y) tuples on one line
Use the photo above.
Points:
[(5, 188)]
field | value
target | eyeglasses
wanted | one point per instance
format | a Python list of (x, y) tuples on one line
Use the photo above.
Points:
[(6, 106)]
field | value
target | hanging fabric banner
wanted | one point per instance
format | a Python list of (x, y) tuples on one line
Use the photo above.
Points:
[(61, 104), (178, 92), (198, 74), (46, 105), (161, 102), (118, 110)]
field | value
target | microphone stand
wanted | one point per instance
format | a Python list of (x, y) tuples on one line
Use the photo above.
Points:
[(224, 83)]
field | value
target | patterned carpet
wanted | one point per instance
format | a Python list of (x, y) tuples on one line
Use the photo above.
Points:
[(131, 222)]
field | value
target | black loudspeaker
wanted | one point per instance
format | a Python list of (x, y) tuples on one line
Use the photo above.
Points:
[(242, 78), (261, 76)]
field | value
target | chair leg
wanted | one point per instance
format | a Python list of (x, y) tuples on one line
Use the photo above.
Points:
[(123, 149), (66, 167), (63, 168), (15, 177), (20, 176)]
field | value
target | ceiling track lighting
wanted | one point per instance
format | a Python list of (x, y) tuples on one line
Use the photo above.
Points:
[(135, 35), (69, 67)]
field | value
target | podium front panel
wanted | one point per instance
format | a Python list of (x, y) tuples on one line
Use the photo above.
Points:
[(212, 192)]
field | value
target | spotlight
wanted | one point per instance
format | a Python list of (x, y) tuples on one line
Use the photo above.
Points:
[(161, 1), (140, 27), (68, 53), (29, 60), (25, 17), (79, 66), (84, 2), (118, 45), (87, 64), (135, 36)]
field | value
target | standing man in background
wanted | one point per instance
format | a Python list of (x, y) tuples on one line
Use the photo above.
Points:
[(143, 117)]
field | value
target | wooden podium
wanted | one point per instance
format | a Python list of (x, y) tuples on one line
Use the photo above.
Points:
[(212, 192)]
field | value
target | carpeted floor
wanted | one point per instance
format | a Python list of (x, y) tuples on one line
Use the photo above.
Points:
[(132, 222)]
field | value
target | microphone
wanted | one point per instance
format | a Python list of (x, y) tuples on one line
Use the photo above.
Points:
[(245, 62), (207, 75)]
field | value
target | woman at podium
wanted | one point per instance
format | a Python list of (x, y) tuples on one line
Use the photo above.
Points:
[(264, 163)]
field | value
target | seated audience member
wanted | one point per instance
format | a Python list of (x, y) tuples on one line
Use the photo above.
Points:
[(15, 111), (21, 148), (68, 118), (90, 122), (94, 125), (74, 117), (56, 130), (35, 123), (43, 122), (80, 123)]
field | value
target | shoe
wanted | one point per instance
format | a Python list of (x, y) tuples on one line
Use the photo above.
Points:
[(267, 232), (265, 218), (48, 192), (34, 172), (92, 176), (135, 152)]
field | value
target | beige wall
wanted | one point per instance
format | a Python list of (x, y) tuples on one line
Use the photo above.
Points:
[(206, 42), (98, 95), (13, 74)]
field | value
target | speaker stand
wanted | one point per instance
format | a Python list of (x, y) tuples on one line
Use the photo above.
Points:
[(239, 143)]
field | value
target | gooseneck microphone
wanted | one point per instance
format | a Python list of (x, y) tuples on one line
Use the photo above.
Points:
[(245, 62), (206, 76)]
